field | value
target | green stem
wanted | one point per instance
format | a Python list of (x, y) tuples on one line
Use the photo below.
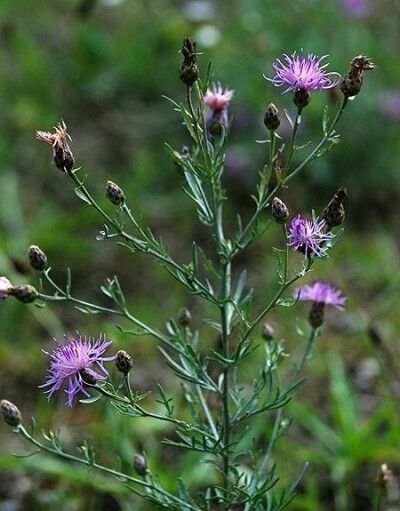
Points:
[(115, 473), (307, 351), (293, 138)]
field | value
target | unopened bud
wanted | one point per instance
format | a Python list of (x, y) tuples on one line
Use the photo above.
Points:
[(24, 293), (334, 213), (184, 317), (140, 465), (353, 80), (88, 377), (37, 258), (385, 476), (114, 193), (271, 118), (267, 332), (5, 288), (316, 314), (189, 71), (301, 97), (279, 210), (11, 414), (123, 362)]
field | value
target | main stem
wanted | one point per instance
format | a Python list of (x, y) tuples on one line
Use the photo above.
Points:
[(226, 289)]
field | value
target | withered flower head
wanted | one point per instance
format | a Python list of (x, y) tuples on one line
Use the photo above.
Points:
[(189, 71), (62, 154), (353, 80)]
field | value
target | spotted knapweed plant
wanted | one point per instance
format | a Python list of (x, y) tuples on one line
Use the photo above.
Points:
[(222, 400)]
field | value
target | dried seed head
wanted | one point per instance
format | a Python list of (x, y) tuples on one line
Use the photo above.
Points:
[(184, 317), (114, 193), (189, 72), (301, 97), (353, 80), (37, 258), (11, 414), (24, 293), (267, 332), (316, 314), (123, 362), (62, 154), (140, 465), (334, 213), (271, 118), (279, 210)]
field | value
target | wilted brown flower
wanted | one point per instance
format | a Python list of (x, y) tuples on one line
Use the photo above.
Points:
[(62, 154)]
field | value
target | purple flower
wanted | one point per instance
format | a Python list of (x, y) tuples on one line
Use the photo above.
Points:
[(321, 292), (298, 72), (357, 8), (308, 236), (5, 288), (74, 362), (218, 98)]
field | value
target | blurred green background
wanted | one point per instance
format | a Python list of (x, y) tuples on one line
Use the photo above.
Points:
[(103, 67)]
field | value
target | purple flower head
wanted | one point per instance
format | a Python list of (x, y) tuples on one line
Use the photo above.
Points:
[(217, 98), (357, 8), (308, 236), (321, 293), (299, 72), (74, 362), (5, 288)]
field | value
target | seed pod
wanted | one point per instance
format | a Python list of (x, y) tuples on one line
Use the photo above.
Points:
[(11, 414), (123, 362), (37, 258), (114, 193), (271, 118), (24, 293)]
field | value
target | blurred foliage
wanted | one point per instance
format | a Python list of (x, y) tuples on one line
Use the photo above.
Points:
[(103, 67)]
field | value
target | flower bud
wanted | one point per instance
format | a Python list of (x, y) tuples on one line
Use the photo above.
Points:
[(316, 314), (11, 414), (37, 258), (140, 465), (267, 332), (24, 293), (87, 377), (5, 288), (301, 97), (353, 80), (189, 71), (184, 317), (114, 193), (334, 213), (123, 362), (279, 210), (385, 476), (271, 118)]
